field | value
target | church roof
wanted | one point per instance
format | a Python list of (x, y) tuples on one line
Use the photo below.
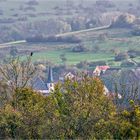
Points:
[(39, 84)]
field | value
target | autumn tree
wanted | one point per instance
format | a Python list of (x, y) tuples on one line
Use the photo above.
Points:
[(17, 73), (82, 109), (24, 116), (84, 112), (77, 109), (5, 94)]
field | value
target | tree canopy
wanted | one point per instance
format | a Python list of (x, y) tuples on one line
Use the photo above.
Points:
[(77, 109)]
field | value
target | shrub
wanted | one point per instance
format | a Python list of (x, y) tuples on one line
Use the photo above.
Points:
[(128, 63), (136, 31), (79, 48), (121, 56)]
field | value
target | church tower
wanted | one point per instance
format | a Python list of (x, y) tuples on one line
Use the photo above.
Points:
[(50, 82)]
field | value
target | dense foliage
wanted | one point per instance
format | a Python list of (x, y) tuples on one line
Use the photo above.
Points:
[(78, 109)]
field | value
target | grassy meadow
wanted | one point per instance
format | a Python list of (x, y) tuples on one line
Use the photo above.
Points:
[(115, 41)]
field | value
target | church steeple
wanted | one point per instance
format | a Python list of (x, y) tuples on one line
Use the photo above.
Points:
[(50, 75), (50, 82)]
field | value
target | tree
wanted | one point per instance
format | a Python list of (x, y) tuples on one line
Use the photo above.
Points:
[(13, 51), (128, 63), (82, 110), (10, 123), (127, 124), (17, 73), (63, 58), (79, 48), (32, 107), (136, 31), (123, 21), (121, 56), (24, 116), (5, 94), (82, 65)]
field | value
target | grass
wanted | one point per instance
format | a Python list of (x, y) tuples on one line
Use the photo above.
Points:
[(54, 51), (72, 58)]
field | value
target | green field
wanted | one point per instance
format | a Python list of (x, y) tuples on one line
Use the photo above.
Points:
[(72, 58), (118, 42)]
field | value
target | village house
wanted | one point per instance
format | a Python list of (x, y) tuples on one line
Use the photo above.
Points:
[(99, 70)]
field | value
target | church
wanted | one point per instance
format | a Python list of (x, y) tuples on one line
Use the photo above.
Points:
[(44, 87)]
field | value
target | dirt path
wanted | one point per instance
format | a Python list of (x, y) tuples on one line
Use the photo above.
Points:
[(83, 31)]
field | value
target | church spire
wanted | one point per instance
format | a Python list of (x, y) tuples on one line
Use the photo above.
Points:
[(50, 75)]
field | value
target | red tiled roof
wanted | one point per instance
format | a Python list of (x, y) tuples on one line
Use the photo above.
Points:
[(103, 67)]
